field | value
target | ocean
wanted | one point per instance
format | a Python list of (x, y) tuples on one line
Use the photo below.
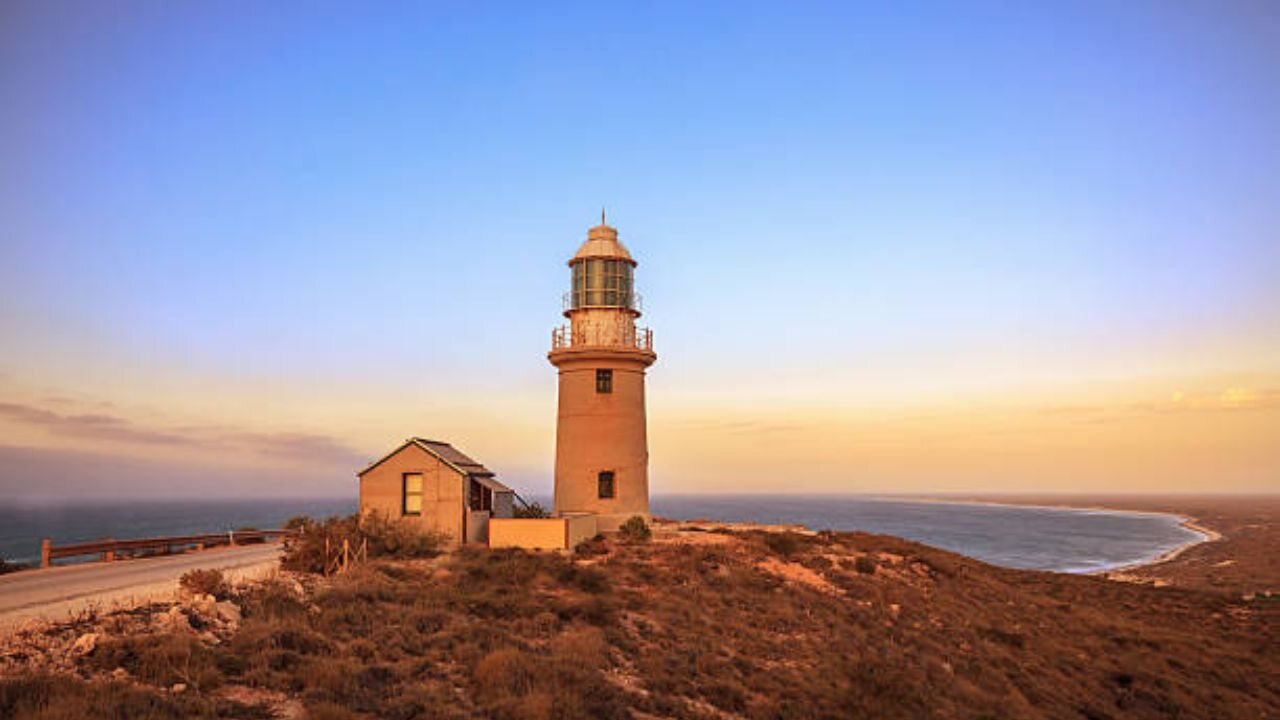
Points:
[(1028, 537)]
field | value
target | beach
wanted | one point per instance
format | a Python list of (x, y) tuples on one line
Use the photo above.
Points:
[(1236, 555)]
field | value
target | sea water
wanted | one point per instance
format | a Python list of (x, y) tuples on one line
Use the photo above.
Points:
[(1017, 536)]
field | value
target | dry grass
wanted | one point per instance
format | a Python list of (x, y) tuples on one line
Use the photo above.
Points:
[(205, 582), (856, 626)]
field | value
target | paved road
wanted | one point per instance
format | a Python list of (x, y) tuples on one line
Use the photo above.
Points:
[(57, 592)]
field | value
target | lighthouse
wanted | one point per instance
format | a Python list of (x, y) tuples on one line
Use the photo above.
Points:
[(602, 451)]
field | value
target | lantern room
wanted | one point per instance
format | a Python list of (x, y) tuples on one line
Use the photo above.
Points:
[(603, 274)]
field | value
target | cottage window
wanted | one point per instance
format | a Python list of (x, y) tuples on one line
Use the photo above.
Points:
[(604, 482), (412, 494), (604, 381)]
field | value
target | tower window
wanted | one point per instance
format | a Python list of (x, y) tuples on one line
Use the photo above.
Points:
[(604, 381), (604, 483), (411, 495)]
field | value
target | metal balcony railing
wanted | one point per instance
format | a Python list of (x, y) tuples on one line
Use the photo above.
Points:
[(630, 338), (602, 299)]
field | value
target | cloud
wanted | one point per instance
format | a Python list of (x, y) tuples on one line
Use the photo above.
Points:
[(28, 473), (299, 446), (309, 447), (1232, 399), (93, 426), (743, 427)]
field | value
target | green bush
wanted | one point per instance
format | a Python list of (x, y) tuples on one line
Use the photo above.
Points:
[(7, 567), (635, 529)]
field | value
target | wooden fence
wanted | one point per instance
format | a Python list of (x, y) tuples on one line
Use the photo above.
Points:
[(109, 549)]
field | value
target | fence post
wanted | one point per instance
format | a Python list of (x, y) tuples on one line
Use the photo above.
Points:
[(231, 538), (346, 553), (110, 555), (46, 549)]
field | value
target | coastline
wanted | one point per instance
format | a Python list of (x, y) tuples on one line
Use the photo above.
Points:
[(1207, 535)]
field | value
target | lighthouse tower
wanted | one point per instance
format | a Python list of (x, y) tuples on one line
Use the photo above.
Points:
[(602, 452)]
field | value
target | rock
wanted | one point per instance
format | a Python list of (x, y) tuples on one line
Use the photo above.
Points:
[(179, 687), (174, 620), (228, 612), (84, 644), (204, 607), (120, 673)]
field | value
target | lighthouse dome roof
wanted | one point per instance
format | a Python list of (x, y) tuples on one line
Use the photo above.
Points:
[(602, 242)]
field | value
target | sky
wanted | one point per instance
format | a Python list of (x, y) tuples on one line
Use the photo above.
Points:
[(246, 248)]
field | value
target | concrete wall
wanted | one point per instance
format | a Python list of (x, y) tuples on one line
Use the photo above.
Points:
[(579, 528), (477, 526), (528, 533), (442, 491), (504, 504)]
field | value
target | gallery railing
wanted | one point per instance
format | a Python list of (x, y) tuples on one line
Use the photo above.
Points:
[(634, 338)]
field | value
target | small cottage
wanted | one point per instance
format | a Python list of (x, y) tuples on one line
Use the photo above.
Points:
[(433, 484)]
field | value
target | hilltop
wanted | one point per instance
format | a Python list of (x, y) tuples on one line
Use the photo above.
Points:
[(710, 622)]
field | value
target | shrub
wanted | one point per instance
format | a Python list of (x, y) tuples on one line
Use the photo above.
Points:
[(161, 660), (532, 510), (635, 530), (54, 697), (400, 539), (317, 544), (272, 600), (506, 672), (306, 551), (592, 546), (865, 565), (298, 522), (205, 582), (784, 543), (7, 567)]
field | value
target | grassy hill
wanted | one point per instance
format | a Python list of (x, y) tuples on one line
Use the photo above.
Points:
[(720, 624)]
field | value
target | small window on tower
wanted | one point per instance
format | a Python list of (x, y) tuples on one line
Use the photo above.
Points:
[(604, 482), (604, 381)]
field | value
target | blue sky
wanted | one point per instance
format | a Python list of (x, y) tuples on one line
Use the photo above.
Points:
[(325, 206)]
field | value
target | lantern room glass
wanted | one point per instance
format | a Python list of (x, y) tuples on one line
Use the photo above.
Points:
[(600, 282)]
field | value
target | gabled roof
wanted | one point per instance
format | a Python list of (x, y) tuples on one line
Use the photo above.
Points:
[(443, 451)]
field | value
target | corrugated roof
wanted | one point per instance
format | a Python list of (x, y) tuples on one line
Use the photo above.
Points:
[(489, 482), (452, 456)]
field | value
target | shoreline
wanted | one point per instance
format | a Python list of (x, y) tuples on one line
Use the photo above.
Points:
[(1207, 535), (1187, 522)]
